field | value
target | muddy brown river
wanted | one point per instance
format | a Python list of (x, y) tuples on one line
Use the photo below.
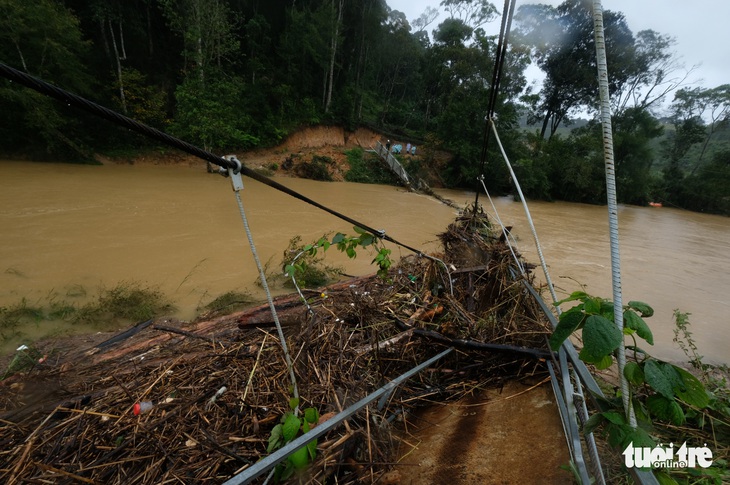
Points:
[(71, 229)]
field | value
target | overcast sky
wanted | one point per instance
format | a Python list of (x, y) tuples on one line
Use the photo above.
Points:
[(699, 26)]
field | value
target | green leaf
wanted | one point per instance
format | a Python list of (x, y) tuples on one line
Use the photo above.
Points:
[(311, 415), (366, 240), (634, 374), (664, 478), (657, 379), (605, 362), (665, 409), (639, 438), (617, 434), (592, 306), (359, 230), (291, 427), (642, 414), (312, 448), (593, 423), (288, 470), (641, 307), (351, 253), (300, 458), (607, 310), (691, 389), (569, 322), (293, 403), (339, 237), (635, 322), (576, 295), (600, 338), (274, 438), (614, 417)]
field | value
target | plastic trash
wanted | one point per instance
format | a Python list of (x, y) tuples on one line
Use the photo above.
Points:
[(142, 407)]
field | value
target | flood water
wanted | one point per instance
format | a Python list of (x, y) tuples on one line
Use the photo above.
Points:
[(176, 228)]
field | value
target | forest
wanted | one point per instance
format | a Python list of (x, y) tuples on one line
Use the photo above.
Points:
[(243, 74)]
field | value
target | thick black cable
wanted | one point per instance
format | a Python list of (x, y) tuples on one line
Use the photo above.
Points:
[(501, 53), (95, 109)]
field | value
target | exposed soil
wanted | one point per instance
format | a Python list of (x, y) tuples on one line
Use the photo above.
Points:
[(299, 147)]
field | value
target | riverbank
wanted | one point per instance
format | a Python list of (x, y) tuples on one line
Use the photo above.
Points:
[(324, 143)]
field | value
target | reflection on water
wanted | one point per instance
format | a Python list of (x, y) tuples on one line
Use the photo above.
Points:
[(66, 227)]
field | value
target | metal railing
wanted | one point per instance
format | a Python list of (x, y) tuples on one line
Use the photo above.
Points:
[(393, 163)]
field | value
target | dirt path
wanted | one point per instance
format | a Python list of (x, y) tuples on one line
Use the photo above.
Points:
[(512, 436)]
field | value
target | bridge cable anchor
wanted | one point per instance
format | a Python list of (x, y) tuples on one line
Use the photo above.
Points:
[(233, 173)]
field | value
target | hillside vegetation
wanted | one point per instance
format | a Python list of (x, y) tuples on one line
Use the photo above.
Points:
[(241, 75)]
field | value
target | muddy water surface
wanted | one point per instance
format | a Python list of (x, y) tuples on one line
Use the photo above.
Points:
[(69, 229)]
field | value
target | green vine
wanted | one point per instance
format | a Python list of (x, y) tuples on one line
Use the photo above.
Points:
[(347, 245)]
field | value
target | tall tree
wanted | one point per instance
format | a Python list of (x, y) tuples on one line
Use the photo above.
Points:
[(561, 39), (337, 11), (655, 72), (207, 29), (43, 39)]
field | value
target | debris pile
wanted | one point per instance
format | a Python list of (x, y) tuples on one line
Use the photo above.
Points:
[(197, 403)]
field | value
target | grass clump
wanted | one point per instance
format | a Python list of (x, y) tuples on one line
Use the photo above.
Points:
[(126, 302), (132, 301), (317, 169), (13, 317), (367, 168), (228, 302)]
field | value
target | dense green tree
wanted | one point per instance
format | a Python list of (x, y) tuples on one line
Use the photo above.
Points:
[(708, 190), (43, 39), (207, 30), (634, 129)]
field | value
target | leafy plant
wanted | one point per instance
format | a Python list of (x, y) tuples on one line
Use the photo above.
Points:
[(317, 169), (601, 337), (289, 428), (683, 338), (347, 245), (659, 390), (367, 168), (307, 263)]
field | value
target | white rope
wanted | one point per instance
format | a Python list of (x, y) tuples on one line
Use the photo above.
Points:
[(265, 285), (612, 204), (507, 234), (527, 213)]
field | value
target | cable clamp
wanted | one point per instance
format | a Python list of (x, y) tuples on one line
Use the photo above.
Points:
[(235, 173), (381, 233)]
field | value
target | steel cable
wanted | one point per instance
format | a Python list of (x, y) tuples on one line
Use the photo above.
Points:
[(77, 101)]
